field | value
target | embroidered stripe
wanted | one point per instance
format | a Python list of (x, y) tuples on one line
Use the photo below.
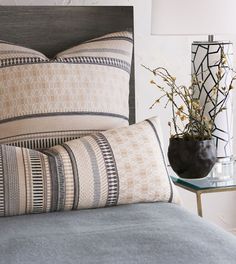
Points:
[(112, 173), (121, 64), (75, 175), (37, 181), (60, 175), (21, 61)]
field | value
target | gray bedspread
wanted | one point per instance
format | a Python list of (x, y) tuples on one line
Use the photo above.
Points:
[(142, 233)]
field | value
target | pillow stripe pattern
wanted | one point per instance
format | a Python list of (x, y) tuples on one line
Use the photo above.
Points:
[(118, 166), (85, 88), (11, 53), (111, 170), (123, 65), (90, 48), (45, 140), (76, 60), (75, 175)]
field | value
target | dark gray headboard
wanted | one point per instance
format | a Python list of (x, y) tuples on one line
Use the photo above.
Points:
[(51, 29)]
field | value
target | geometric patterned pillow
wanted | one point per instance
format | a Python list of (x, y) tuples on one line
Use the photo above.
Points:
[(84, 89), (120, 166)]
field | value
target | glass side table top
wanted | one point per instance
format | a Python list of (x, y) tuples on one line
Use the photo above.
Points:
[(222, 176)]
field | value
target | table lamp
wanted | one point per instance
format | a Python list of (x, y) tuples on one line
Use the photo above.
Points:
[(204, 17)]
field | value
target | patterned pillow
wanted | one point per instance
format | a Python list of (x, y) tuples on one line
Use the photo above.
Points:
[(9, 51), (120, 166), (47, 102)]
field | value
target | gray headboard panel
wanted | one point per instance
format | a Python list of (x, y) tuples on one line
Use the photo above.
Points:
[(51, 29)]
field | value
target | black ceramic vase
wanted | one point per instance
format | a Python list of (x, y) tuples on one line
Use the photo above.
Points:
[(192, 159)]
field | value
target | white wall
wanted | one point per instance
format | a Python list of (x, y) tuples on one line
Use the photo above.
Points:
[(173, 53)]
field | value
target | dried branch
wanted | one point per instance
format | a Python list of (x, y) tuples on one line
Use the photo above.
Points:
[(198, 126)]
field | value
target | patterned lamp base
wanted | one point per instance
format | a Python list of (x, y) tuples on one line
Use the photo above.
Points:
[(205, 62)]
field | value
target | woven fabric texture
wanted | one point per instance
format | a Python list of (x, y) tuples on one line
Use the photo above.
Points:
[(119, 166), (82, 90)]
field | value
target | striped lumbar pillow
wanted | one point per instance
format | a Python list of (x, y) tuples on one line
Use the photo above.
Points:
[(119, 166), (47, 102)]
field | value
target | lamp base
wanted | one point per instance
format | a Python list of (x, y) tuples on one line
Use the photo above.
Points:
[(206, 57)]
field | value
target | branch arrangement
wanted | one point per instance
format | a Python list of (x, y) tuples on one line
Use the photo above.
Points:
[(188, 119)]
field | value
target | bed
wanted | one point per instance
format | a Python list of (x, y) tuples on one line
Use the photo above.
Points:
[(136, 233)]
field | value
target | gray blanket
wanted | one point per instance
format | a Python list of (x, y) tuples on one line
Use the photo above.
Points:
[(142, 233)]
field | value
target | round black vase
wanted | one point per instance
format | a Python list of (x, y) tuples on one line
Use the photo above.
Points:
[(192, 159)]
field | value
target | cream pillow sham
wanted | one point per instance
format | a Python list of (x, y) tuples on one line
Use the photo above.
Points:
[(84, 89)]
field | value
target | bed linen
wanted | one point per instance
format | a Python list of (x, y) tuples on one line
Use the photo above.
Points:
[(139, 233)]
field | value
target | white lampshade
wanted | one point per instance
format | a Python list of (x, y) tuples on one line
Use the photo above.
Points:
[(193, 17)]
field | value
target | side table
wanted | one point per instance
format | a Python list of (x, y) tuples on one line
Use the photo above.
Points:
[(205, 185)]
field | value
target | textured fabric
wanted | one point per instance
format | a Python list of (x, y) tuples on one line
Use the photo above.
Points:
[(84, 89), (10, 53), (157, 233), (120, 166)]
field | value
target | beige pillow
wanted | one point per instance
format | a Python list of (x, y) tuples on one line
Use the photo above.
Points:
[(119, 166), (47, 102)]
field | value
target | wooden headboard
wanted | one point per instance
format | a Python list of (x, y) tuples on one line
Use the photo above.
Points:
[(51, 29)]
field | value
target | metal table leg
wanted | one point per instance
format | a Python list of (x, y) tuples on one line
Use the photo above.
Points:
[(199, 203)]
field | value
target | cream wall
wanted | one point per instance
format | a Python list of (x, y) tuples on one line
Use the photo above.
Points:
[(174, 54)]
